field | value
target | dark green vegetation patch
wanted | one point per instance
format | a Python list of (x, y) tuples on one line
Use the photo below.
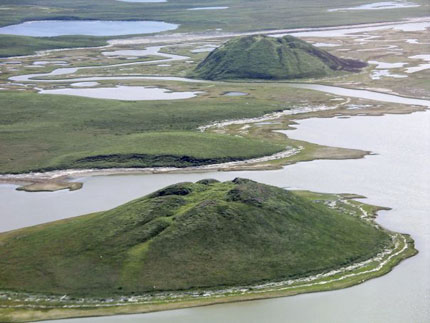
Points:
[(263, 57), (206, 234), (48, 132), (21, 45)]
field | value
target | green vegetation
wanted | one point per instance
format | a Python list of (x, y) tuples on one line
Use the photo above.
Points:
[(21, 45), (263, 57), (50, 186), (207, 234), (46, 132), (242, 15)]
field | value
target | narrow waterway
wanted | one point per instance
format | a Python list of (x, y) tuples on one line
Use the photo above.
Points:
[(397, 177)]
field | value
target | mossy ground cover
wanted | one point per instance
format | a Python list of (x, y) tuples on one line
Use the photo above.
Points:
[(54, 132), (176, 207), (242, 15), (20, 45), (186, 236), (264, 57), (46, 132)]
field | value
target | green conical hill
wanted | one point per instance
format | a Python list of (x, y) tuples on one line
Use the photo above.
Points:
[(188, 235), (263, 57)]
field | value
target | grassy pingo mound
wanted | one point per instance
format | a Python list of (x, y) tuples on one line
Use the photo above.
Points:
[(188, 235), (263, 57)]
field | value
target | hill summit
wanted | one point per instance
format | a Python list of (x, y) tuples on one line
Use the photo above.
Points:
[(185, 236), (264, 57)]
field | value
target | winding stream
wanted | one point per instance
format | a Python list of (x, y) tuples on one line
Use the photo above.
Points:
[(397, 176), (155, 50)]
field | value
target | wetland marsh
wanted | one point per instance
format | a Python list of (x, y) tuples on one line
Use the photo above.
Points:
[(234, 133)]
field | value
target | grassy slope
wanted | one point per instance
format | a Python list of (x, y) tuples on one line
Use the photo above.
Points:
[(262, 57), (243, 14), (184, 236), (51, 132), (20, 45)]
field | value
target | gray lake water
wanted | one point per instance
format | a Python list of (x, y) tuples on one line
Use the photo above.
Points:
[(207, 8), (398, 177), (124, 93), (143, 1), (365, 94), (235, 94), (380, 6), (50, 28)]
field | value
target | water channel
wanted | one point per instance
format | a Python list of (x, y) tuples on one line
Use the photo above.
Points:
[(397, 177)]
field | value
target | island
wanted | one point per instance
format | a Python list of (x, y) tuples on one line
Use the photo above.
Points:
[(192, 244)]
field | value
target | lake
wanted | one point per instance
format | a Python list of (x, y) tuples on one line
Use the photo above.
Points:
[(207, 8), (397, 177), (143, 1), (124, 93), (50, 28), (380, 6)]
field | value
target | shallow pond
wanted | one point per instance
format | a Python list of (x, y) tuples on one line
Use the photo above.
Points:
[(325, 45), (84, 84), (420, 67), (50, 28), (124, 93), (380, 6), (397, 177), (352, 31), (143, 1), (382, 65), (235, 93), (208, 8), (377, 96)]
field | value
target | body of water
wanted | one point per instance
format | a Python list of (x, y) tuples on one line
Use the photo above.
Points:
[(124, 93), (380, 6), (50, 28), (143, 1), (364, 94), (397, 177), (208, 8), (235, 93)]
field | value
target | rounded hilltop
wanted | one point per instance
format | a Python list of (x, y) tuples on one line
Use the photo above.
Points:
[(188, 235), (264, 57)]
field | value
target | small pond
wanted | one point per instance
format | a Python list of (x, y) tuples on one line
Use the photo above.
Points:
[(143, 1), (50, 28), (235, 94), (125, 93), (207, 8)]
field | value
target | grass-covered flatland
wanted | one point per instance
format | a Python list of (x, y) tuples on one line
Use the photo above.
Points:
[(46, 132), (188, 235), (21, 45), (242, 15)]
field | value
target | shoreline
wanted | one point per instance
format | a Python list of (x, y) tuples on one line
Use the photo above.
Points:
[(167, 37), (56, 180), (61, 179), (32, 307)]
